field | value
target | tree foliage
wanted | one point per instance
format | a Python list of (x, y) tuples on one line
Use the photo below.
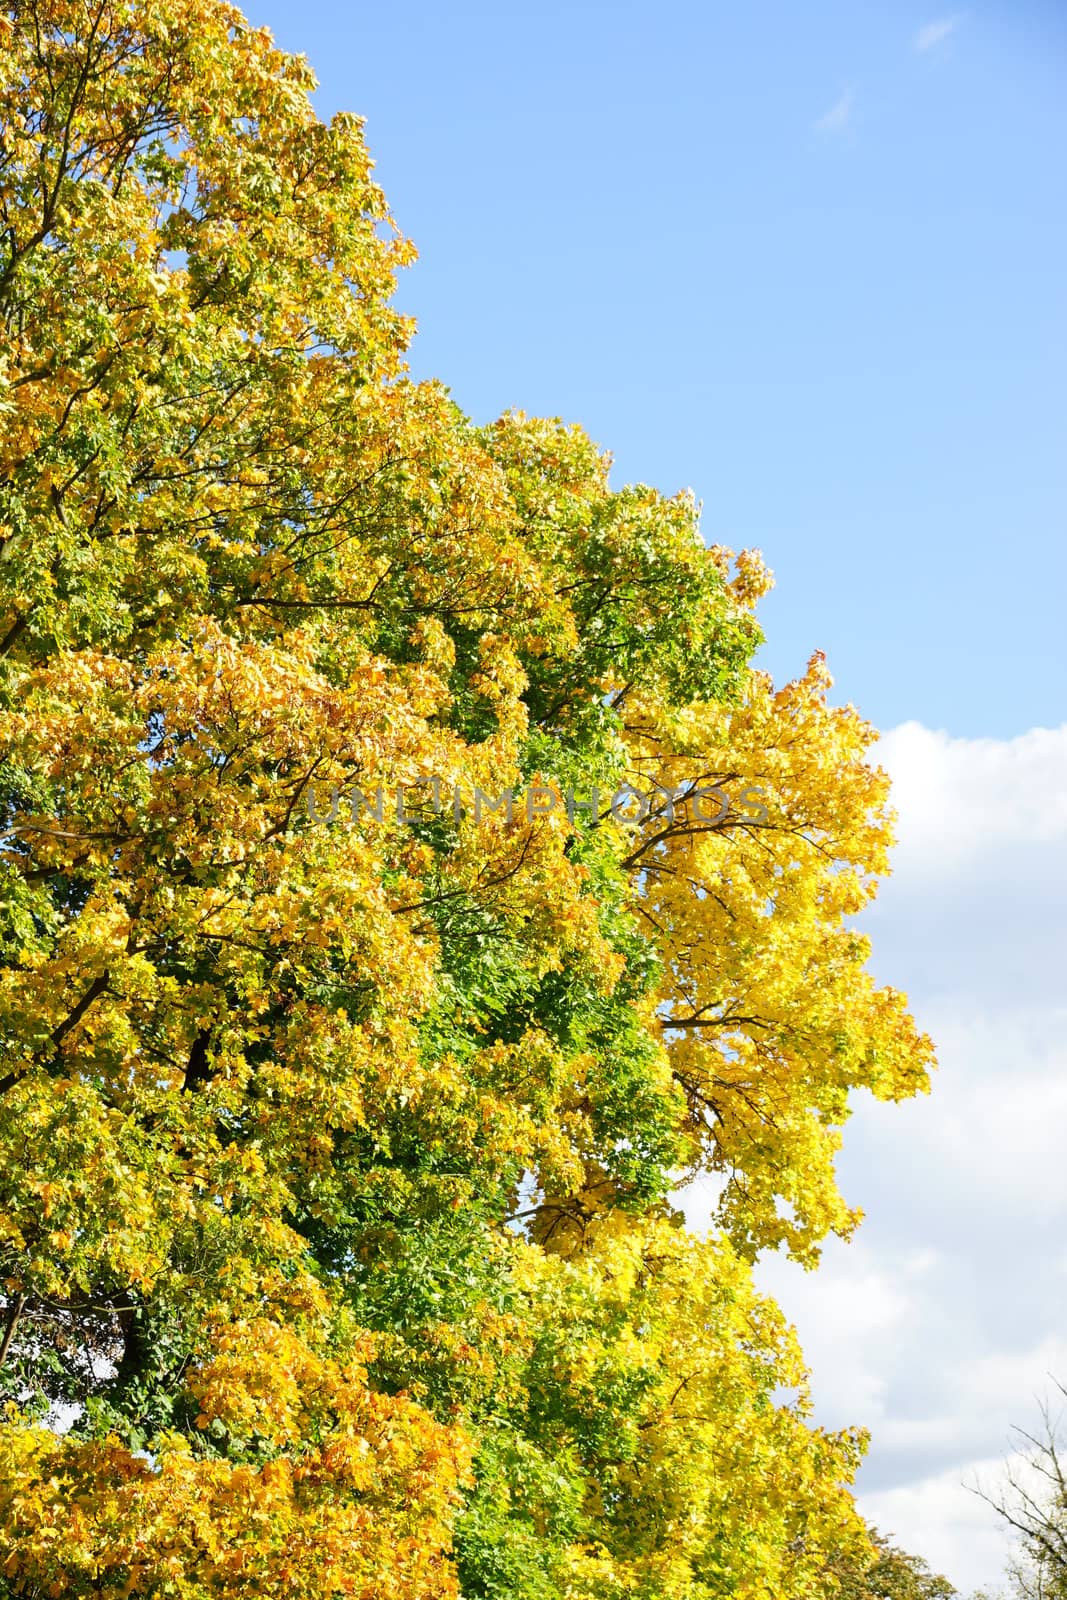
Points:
[(338, 1245)]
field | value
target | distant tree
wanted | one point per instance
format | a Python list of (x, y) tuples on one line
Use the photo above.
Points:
[(893, 1575), (1033, 1502)]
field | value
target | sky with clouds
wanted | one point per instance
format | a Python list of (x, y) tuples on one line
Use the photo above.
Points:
[(939, 1325), (809, 261)]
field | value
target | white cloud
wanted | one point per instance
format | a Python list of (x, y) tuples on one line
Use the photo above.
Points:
[(940, 1324), (960, 795), (931, 34), (837, 118), (941, 1516)]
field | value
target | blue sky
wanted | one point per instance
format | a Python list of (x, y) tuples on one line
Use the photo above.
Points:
[(809, 261), (806, 260)]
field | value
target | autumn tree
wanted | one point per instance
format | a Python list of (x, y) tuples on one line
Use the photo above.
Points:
[(340, 1251)]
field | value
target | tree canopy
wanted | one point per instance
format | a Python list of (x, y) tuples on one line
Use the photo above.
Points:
[(340, 1243)]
